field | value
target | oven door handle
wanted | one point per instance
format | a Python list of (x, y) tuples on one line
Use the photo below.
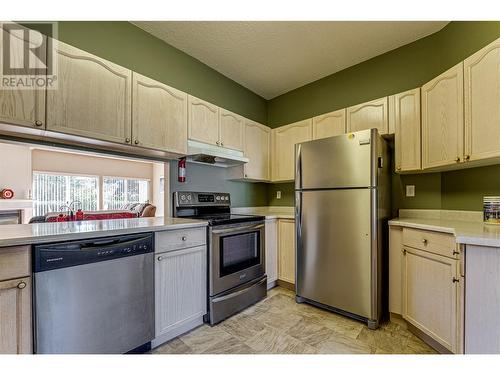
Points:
[(238, 229)]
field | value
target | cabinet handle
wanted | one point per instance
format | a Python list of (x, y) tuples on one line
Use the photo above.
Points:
[(127, 140), (222, 144), (136, 142), (160, 258), (246, 175), (455, 280), (398, 169), (21, 285), (456, 252), (424, 241), (217, 143), (467, 157), (184, 238), (457, 159), (404, 251), (38, 123)]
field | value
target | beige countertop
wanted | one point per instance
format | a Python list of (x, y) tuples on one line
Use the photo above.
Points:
[(467, 227), (27, 234), (270, 212)]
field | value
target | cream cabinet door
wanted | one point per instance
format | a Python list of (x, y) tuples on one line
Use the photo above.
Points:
[(271, 229), (407, 127), (257, 140), (285, 139), (442, 119), (430, 295), (329, 124), (231, 130), (180, 289), (20, 106), (159, 115), (15, 316), (369, 115), (286, 250), (482, 103), (92, 99), (203, 121)]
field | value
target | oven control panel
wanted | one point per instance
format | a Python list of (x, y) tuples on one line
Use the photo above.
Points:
[(191, 198)]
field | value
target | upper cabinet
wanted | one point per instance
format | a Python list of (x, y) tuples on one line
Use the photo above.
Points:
[(230, 130), (482, 103), (407, 130), (257, 150), (442, 119), (329, 124), (285, 138), (23, 107), (93, 97), (159, 115), (369, 115), (203, 121)]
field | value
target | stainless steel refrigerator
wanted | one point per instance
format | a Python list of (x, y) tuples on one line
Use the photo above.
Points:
[(342, 204)]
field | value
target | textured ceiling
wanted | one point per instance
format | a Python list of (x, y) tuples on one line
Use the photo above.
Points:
[(272, 58)]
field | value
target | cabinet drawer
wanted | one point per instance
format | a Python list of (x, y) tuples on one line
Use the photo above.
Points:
[(180, 239), (433, 242), (15, 262)]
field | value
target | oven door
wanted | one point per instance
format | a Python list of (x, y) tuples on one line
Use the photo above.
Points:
[(236, 255)]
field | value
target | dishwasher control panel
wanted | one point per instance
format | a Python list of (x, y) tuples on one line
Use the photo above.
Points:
[(67, 254)]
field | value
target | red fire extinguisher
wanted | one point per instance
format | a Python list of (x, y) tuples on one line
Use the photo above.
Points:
[(182, 170)]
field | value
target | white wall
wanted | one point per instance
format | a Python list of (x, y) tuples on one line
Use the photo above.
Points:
[(15, 169)]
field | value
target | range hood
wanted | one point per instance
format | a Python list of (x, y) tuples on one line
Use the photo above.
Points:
[(203, 153)]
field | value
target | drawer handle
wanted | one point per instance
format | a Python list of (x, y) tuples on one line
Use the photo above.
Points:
[(455, 280), (21, 285), (424, 241), (184, 238), (38, 123), (457, 160)]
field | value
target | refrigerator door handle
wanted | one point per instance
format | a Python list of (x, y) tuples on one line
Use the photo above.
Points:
[(298, 231), (298, 166)]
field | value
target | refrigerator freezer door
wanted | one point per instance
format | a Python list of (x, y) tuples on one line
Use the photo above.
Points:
[(347, 160), (334, 248)]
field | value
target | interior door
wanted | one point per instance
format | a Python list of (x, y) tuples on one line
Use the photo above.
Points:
[(336, 162), (334, 248)]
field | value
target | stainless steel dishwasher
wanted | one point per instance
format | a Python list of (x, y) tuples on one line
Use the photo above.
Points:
[(94, 296)]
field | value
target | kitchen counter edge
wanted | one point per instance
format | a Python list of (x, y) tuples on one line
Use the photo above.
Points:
[(33, 234)]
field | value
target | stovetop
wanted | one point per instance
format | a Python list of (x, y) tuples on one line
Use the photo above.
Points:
[(227, 218), (212, 207)]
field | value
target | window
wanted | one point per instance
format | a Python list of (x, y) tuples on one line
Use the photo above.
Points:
[(119, 191), (52, 191)]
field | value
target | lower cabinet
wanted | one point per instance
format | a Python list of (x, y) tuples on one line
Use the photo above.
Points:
[(286, 250), (431, 294), (271, 252), (180, 291), (15, 316)]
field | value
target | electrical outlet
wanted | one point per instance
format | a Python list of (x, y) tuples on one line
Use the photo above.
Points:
[(278, 194), (410, 190)]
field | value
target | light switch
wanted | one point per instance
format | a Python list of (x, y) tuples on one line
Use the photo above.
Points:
[(410, 190), (278, 194)]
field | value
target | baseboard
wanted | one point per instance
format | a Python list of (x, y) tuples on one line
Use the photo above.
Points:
[(398, 319), (186, 326), (272, 284), (427, 339), (286, 285)]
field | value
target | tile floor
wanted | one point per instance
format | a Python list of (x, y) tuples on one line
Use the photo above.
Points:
[(278, 325)]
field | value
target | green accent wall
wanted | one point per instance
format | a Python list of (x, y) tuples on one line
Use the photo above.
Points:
[(127, 45), (398, 70)]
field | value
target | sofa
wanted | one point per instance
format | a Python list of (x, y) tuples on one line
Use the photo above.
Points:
[(127, 211)]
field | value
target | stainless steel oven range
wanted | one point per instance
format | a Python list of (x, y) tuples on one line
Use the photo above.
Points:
[(236, 259)]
